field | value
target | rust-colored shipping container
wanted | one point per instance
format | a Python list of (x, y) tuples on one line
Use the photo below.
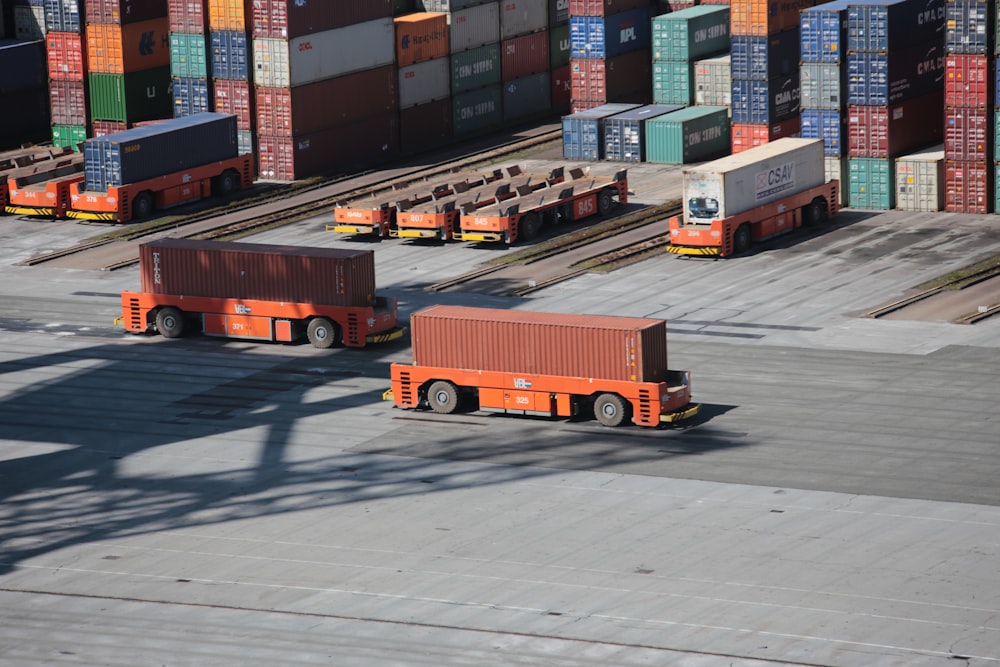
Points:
[(188, 16), (627, 77), (232, 96), (258, 271), (67, 102), (124, 49), (603, 7), (896, 129), (420, 36), (967, 134), (746, 135), (287, 112), (228, 14), (515, 341), (525, 55), (562, 89), (760, 18), (67, 59), (288, 19), (968, 186), (123, 11), (102, 128), (425, 126), (969, 80)]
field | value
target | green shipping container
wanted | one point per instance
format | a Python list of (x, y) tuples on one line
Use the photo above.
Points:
[(475, 68), (694, 134), (692, 33), (673, 81), (872, 183), (558, 47), (477, 110), (69, 135), (188, 56), (131, 98)]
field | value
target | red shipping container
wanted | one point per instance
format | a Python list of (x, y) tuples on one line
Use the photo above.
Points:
[(968, 80), (746, 136), (891, 131), (68, 102), (603, 7), (287, 112), (562, 90), (100, 128), (345, 148), (66, 57), (188, 16), (123, 11), (287, 19), (967, 134), (525, 55), (123, 49), (234, 97), (425, 126), (420, 36), (624, 78), (225, 269), (967, 186), (760, 18)]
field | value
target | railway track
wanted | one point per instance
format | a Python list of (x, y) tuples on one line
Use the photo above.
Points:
[(950, 286)]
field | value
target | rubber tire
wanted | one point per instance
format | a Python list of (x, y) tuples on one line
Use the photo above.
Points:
[(529, 227), (611, 410), (229, 182), (815, 213), (442, 397), (742, 238), (564, 214), (142, 206), (170, 322), (605, 202), (322, 333)]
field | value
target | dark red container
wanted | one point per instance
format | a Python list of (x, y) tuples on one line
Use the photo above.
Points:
[(287, 112), (624, 78), (68, 102), (562, 89), (234, 97), (348, 147), (188, 16), (525, 55), (287, 19), (967, 134), (968, 186), (425, 126), (123, 11), (518, 341), (102, 128), (968, 80), (604, 7), (229, 270), (885, 132), (66, 57), (745, 136)]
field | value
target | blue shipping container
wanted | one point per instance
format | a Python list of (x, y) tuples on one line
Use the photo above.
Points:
[(62, 15), (765, 102), (823, 32), (969, 26), (230, 57), (583, 131), (826, 124), (610, 36), (880, 79), (883, 26), (22, 66), (625, 133), (764, 58), (190, 96)]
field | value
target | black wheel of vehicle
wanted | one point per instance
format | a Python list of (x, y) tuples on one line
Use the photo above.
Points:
[(741, 238), (322, 333), (142, 206), (170, 322), (529, 227), (605, 202), (229, 182), (564, 214), (815, 212), (610, 409), (442, 396)]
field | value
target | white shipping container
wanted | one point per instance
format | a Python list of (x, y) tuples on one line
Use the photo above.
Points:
[(836, 169), (29, 22), (474, 27), (424, 82), (742, 181), (713, 84), (920, 180), (281, 63), (522, 18)]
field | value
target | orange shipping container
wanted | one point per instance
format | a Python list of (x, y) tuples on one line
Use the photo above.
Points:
[(746, 136), (228, 14), (766, 17), (421, 36), (134, 47)]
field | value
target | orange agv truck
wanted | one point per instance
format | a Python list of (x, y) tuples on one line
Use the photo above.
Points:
[(544, 364), (259, 291)]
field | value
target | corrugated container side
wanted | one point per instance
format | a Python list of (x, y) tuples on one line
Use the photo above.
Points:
[(281, 19), (102, 128), (879, 79), (562, 90), (968, 186), (750, 135), (603, 7), (969, 80), (889, 25), (29, 22), (822, 85), (62, 16), (673, 82), (68, 102), (131, 97), (477, 110), (474, 26), (713, 83), (528, 96), (231, 96), (475, 68), (66, 56), (69, 135), (123, 49), (695, 134), (425, 127), (871, 183), (826, 124), (897, 129), (610, 36), (764, 58), (691, 34), (451, 6), (559, 50), (625, 133), (228, 270), (228, 15), (287, 63), (524, 55), (522, 18), (766, 102), (583, 132), (920, 180), (421, 36), (823, 32), (967, 134), (424, 82), (622, 78), (969, 26), (836, 169), (191, 96), (511, 341), (764, 17), (188, 16), (287, 112), (123, 11), (230, 54), (188, 56)]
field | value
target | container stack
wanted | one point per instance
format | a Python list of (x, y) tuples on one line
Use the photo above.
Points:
[(29, 20), (713, 82), (525, 63), (23, 77), (679, 39), (189, 62), (610, 54), (559, 56), (969, 103), (895, 91), (583, 131), (424, 76), (625, 133), (67, 70), (128, 63), (229, 55), (764, 71)]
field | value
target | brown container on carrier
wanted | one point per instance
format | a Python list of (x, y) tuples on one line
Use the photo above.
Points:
[(228, 270), (513, 341)]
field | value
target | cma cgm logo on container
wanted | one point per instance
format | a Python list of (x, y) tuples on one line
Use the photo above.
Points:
[(777, 179)]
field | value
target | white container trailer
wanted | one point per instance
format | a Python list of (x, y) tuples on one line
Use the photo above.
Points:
[(424, 82), (920, 180), (743, 181)]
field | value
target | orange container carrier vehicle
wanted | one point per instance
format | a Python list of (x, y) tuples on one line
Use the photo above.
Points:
[(44, 190), (25, 161), (542, 364)]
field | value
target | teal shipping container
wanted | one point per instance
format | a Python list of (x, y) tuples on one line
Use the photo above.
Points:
[(558, 47), (475, 68), (477, 111), (694, 134), (692, 33), (872, 183), (673, 82), (188, 56), (69, 135), (130, 98)]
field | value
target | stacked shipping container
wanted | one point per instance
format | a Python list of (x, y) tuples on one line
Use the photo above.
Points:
[(190, 65), (29, 20), (525, 62), (679, 39), (67, 70), (476, 71), (424, 79), (228, 48)]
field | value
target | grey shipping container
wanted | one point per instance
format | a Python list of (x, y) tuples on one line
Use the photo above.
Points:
[(920, 180), (528, 96), (625, 133), (475, 68), (477, 110), (583, 131), (424, 82), (822, 86), (161, 148), (694, 134), (474, 26), (294, 274)]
